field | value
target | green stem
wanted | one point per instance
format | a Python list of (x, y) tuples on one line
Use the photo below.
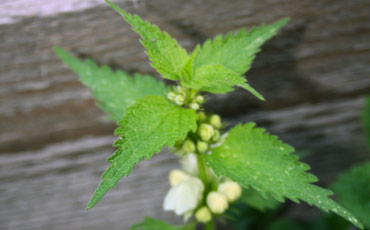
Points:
[(202, 170), (210, 225)]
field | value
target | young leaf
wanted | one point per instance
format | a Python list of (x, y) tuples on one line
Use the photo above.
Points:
[(166, 55), (154, 224), (148, 126), (115, 91), (217, 78), (254, 158), (353, 191), (366, 119), (236, 51)]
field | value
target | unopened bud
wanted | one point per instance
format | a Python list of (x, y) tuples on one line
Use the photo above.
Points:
[(217, 202), (202, 116), (199, 99), (181, 90), (188, 146), (171, 96), (194, 106), (231, 190), (177, 176), (202, 146), (203, 215), (215, 121), (206, 132), (216, 136), (179, 99)]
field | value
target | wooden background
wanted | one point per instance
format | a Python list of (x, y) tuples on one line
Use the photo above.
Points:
[(53, 139)]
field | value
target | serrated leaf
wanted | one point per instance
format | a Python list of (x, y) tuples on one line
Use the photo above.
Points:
[(166, 55), (254, 158), (217, 78), (148, 126), (352, 189), (255, 200), (366, 119), (236, 51), (115, 90), (154, 224)]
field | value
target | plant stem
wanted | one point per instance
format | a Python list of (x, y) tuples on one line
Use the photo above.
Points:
[(210, 225), (202, 170)]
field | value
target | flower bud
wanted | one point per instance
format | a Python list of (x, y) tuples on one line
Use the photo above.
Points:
[(231, 190), (203, 215), (177, 176), (206, 132), (179, 99), (202, 146), (171, 96), (194, 106), (199, 99), (216, 136), (217, 202), (181, 90), (188, 146), (202, 116), (215, 121)]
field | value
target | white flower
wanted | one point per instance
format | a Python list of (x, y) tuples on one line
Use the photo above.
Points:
[(184, 197), (176, 177), (189, 163)]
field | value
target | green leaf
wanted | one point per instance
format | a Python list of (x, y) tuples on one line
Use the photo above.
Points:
[(217, 79), (166, 55), (154, 224), (148, 126), (115, 91), (236, 51), (254, 158), (366, 119), (352, 189), (254, 199)]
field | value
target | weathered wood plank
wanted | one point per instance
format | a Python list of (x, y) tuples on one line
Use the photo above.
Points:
[(53, 139)]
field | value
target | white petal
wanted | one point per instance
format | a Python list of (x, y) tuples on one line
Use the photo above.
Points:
[(189, 163)]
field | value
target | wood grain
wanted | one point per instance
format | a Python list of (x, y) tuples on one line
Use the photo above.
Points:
[(53, 139)]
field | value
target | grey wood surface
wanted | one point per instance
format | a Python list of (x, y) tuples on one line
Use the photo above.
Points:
[(53, 139)]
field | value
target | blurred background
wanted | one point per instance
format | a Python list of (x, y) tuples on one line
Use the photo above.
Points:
[(54, 139)]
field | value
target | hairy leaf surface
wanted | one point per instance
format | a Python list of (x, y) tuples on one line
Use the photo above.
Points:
[(218, 79), (115, 91), (148, 126), (166, 55), (254, 199), (254, 158), (236, 51), (154, 224), (353, 191)]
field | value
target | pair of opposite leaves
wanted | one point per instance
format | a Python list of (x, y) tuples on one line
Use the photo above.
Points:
[(148, 121)]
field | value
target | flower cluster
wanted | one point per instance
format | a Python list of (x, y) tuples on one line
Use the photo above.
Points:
[(189, 195), (196, 190), (186, 97)]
